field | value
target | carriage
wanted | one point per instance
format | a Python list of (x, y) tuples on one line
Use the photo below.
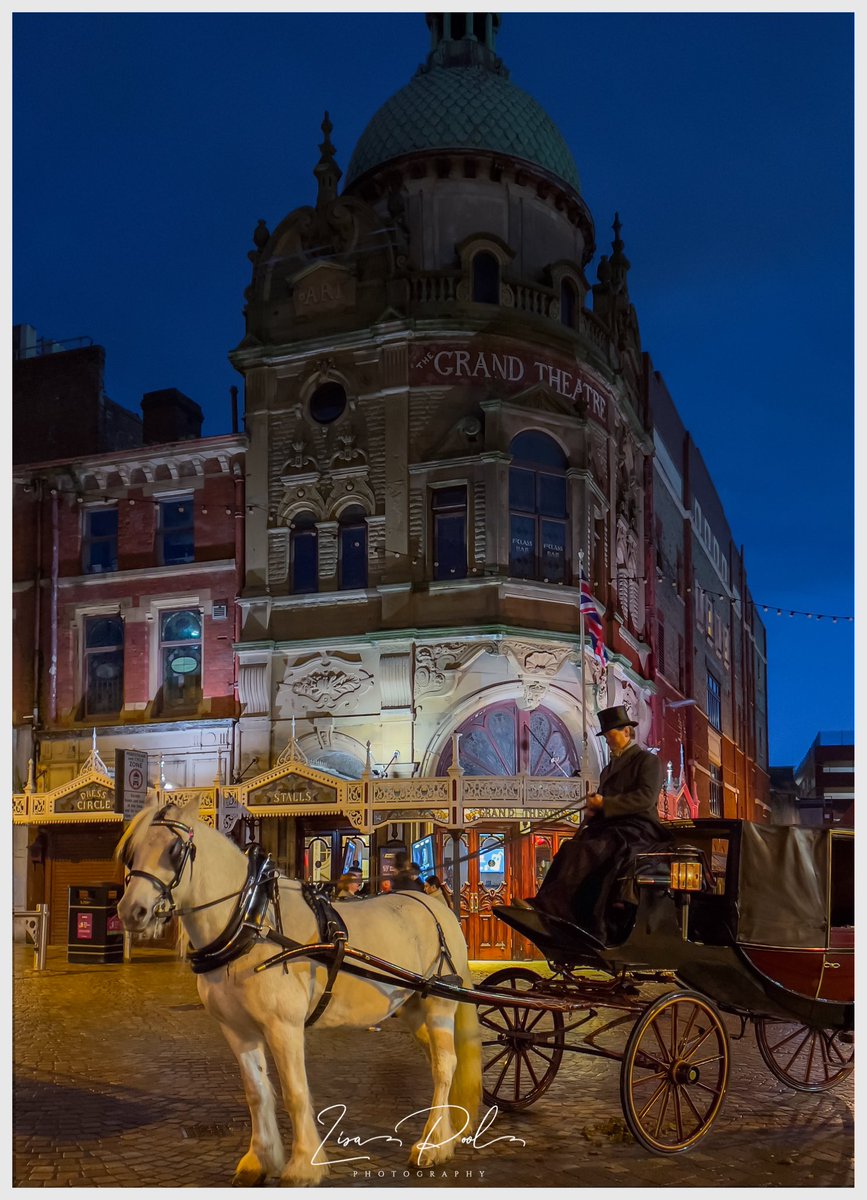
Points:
[(755, 921), (731, 917)]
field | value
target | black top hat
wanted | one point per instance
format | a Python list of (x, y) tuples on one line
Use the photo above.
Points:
[(614, 718)]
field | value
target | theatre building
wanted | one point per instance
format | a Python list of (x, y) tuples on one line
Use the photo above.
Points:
[(125, 569), (446, 419), (449, 417)]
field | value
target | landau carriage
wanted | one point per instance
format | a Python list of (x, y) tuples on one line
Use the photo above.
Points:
[(733, 918)]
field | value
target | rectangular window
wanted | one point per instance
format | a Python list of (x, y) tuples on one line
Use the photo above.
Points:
[(710, 620), (522, 546), (553, 564), (714, 701), (449, 508), (716, 790), (181, 659), (100, 540), (103, 665), (726, 646), (177, 543), (660, 646)]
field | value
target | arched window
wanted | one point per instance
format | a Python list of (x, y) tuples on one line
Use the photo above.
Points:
[(181, 659), (352, 548), (568, 303), (538, 515), (486, 278), (305, 554), (503, 739), (103, 665)]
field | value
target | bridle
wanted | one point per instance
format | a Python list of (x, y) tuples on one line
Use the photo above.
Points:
[(165, 905)]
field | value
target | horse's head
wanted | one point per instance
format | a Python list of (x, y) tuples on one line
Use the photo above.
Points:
[(158, 850)]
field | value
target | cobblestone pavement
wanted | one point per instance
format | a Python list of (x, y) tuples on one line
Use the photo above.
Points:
[(122, 1080)]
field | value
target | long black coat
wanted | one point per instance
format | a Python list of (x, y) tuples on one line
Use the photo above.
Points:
[(583, 879)]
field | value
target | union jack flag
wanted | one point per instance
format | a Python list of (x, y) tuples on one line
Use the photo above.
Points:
[(591, 621)]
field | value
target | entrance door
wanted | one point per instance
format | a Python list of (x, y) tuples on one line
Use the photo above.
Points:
[(485, 880)]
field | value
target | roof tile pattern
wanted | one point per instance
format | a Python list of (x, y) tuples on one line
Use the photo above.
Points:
[(463, 108)]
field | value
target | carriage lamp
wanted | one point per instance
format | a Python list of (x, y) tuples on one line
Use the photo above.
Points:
[(686, 877)]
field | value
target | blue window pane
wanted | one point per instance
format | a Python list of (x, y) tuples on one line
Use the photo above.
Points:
[(104, 682), (305, 565), (103, 631), (552, 495), (567, 303), (181, 626), (176, 514), (353, 557), (455, 497), (522, 490), (537, 448), (522, 547), (486, 279), (553, 565), (101, 556), (102, 522), (178, 548), (182, 676), (450, 546)]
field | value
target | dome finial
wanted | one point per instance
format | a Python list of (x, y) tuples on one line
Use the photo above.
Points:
[(463, 39), (326, 170)]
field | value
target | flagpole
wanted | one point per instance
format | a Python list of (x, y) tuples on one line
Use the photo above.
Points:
[(583, 683)]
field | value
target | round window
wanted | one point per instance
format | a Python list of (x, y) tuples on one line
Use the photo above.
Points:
[(327, 403)]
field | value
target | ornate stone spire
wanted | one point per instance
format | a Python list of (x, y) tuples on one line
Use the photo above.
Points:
[(620, 264), (326, 170)]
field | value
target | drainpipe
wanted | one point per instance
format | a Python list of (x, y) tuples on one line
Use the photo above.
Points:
[(37, 623), (240, 572), (55, 565)]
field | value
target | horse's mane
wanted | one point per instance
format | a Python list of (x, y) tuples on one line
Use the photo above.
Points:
[(135, 831)]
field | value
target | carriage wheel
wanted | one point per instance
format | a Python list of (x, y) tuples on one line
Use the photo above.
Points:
[(522, 1048), (806, 1059), (674, 1072)]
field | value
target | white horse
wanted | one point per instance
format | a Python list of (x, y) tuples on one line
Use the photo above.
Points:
[(271, 1006)]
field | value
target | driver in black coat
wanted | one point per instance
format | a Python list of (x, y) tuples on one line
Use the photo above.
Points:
[(620, 819)]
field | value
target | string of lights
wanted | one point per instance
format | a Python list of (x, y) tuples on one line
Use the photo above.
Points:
[(777, 609)]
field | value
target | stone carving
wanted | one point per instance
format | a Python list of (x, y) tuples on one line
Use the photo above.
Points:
[(327, 685), (438, 667), (253, 688), (532, 695), (536, 658), (300, 457), (347, 452), (395, 680)]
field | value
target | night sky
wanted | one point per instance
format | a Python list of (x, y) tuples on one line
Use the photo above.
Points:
[(147, 147)]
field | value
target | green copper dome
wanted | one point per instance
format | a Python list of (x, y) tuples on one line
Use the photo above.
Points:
[(463, 100)]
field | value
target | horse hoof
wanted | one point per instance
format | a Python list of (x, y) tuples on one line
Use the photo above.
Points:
[(249, 1179), (304, 1175)]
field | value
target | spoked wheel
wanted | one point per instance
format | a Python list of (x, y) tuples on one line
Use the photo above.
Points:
[(808, 1060), (674, 1072), (521, 1048)]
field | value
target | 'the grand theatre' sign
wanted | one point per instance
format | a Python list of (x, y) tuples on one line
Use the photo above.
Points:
[(516, 370)]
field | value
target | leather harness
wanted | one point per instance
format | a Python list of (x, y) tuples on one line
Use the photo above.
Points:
[(248, 927)]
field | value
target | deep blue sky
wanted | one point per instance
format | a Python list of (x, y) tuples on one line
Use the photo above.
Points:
[(146, 148)]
